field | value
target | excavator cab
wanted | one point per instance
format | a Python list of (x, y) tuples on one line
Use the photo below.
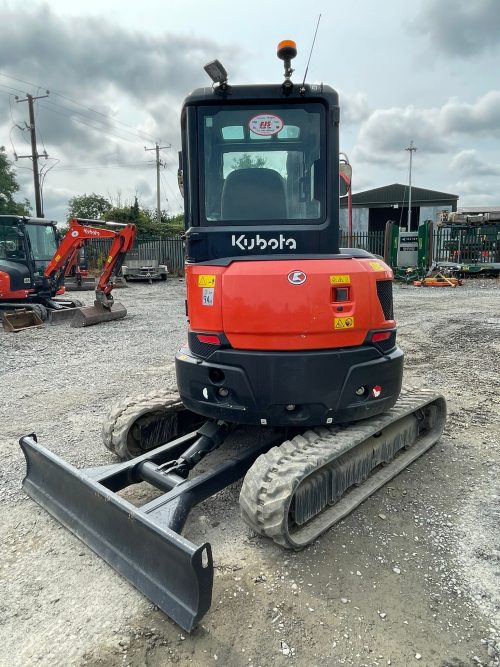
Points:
[(257, 162), (26, 247), (30, 242), (284, 327)]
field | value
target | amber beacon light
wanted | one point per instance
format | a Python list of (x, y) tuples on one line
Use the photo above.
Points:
[(287, 49)]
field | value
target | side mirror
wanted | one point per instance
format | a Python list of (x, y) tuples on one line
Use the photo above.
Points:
[(345, 173), (180, 175)]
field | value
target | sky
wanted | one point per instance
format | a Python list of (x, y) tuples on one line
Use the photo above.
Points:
[(117, 73)]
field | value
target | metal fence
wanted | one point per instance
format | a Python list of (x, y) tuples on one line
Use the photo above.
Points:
[(371, 241), (450, 244), (467, 246), (165, 251)]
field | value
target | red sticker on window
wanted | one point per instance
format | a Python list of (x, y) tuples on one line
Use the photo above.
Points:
[(265, 124)]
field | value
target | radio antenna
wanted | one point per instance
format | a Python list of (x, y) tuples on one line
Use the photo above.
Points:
[(310, 53)]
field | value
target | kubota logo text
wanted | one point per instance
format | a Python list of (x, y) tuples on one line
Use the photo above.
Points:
[(93, 232), (243, 242)]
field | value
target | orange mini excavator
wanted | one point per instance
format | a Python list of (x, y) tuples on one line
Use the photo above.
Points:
[(33, 266), (289, 335)]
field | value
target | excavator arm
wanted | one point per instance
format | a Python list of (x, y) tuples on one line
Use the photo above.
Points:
[(122, 243), (79, 232)]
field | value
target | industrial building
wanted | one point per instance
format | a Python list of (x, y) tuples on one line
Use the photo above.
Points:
[(371, 209)]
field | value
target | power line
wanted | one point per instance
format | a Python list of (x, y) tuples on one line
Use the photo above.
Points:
[(124, 165), (140, 134), (108, 126), (88, 124), (70, 113)]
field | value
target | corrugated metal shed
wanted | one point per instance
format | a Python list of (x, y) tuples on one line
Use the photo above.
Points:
[(397, 193)]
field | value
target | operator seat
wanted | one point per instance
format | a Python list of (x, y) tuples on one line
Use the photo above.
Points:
[(253, 194)]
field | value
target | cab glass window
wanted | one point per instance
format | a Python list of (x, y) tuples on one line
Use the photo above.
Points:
[(11, 242), (263, 164), (43, 243)]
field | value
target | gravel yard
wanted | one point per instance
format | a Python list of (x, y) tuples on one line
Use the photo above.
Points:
[(411, 577)]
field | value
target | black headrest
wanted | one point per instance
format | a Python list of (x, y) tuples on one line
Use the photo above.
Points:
[(253, 194)]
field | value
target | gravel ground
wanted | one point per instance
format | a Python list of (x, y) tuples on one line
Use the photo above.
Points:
[(411, 577)]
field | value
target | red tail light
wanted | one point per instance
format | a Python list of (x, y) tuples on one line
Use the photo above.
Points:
[(211, 339), (380, 336)]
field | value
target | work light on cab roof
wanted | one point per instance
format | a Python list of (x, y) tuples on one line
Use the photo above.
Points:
[(286, 51)]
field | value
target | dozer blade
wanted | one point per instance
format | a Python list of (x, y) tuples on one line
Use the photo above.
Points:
[(18, 320), (97, 313), (143, 544), (174, 573)]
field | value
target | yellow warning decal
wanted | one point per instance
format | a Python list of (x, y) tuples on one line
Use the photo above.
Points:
[(377, 266), (206, 281), (340, 280), (58, 257), (343, 323), (110, 259)]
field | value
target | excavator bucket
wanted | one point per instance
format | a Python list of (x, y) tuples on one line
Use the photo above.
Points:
[(62, 315), (18, 320), (97, 313)]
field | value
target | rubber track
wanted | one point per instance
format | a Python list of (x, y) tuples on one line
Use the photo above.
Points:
[(270, 483), (123, 415)]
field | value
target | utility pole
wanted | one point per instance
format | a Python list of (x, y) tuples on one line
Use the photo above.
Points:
[(411, 148), (159, 164), (34, 151)]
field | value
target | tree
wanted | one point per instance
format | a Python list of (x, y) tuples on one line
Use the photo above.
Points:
[(90, 207), (8, 187), (96, 207), (247, 161)]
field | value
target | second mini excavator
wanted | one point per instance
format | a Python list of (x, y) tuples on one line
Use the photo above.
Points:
[(34, 263), (289, 335)]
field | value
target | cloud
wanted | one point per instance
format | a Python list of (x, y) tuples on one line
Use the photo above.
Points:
[(384, 135), (475, 191), (387, 132), (481, 118), (100, 65), (469, 163), (88, 55), (55, 202), (99, 74), (460, 29), (354, 108)]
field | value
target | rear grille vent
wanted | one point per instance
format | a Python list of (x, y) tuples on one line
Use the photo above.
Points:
[(384, 293)]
